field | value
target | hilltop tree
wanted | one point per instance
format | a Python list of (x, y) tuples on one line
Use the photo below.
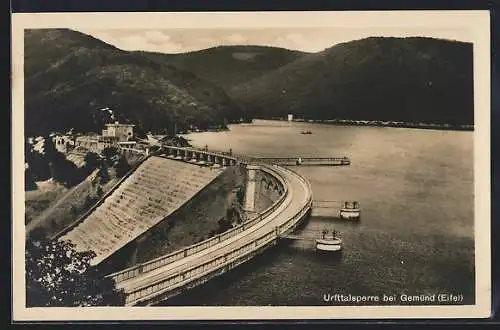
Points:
[(59, 276)]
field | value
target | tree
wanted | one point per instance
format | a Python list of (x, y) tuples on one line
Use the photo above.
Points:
[(103, 174), (59, 276), (224, 225), (73, 210), (92, 161), (54, 225), (64, 171), (122, 167), (230, 215), (38, 164), (29, 181), (109, 153), (89, 201), (49, 148)]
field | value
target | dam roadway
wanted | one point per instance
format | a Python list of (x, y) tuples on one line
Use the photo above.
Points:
[(154, 285)]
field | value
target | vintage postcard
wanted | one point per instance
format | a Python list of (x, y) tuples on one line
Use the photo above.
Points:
[(251, 166)]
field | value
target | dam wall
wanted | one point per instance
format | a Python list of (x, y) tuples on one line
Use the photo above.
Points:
[(155, 190), (167, 204), (159, 279), (198, 219), (265, 188)]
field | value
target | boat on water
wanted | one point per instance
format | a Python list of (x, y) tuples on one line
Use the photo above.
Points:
[(305, 132), (329, 243), (350, 211)]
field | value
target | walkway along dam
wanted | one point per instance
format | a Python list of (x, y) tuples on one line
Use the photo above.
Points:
[(276, 199)]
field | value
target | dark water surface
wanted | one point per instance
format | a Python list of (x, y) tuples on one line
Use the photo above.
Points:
[(416, 234)]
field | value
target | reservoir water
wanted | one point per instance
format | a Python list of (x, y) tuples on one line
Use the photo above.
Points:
[(416, 234)]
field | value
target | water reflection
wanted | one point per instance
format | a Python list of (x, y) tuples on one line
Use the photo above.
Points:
[(328, 258), (337, 221)]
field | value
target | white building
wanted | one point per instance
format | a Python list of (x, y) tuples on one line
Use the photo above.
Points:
[(111, 136), (63, 142), (124, 132)]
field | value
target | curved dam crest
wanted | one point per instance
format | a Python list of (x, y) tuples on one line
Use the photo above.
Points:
[(168, 204), (168, 276)]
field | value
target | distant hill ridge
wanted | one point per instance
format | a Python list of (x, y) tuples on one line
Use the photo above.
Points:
[(70, 76), (411, 79), (229, 65)]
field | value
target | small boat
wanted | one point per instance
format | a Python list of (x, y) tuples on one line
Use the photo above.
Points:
[(305, 132), (350, 211), (331, 243)]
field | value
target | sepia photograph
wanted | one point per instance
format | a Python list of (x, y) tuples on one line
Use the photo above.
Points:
[(257, 165)]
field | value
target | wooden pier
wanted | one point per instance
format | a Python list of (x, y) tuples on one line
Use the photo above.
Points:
[(328, 204), (297, 237), (346, 210), (307, 161)]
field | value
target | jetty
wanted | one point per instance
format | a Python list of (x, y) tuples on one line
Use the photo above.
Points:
[(346, 210), (295, 237), (322, 242)]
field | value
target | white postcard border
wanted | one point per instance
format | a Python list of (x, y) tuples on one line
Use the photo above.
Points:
[(475, 22)]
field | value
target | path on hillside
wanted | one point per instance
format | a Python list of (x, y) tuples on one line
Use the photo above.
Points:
[(46, 213), (298, 194)]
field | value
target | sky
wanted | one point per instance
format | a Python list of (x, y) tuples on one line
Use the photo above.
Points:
[(303, 39)]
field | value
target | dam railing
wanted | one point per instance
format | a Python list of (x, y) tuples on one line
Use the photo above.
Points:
[(192, 249), (173, 284), (227, 156)]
